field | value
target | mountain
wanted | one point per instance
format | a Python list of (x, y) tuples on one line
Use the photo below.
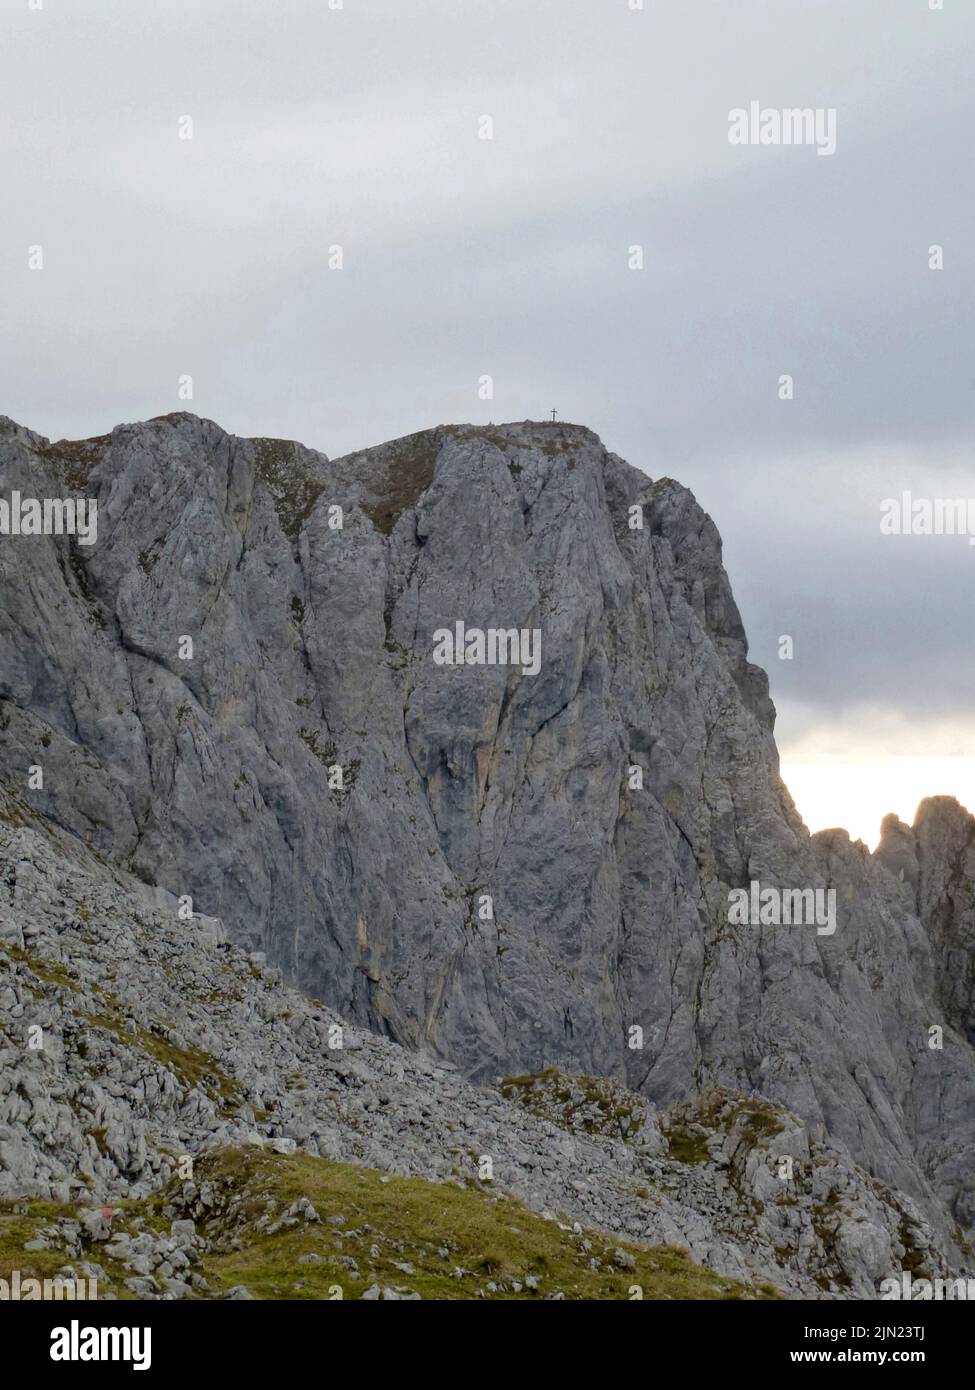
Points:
[(239, 696)]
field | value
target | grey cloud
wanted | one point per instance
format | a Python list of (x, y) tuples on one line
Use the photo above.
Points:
[(509, 257)]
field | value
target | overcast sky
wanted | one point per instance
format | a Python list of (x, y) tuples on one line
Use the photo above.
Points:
[(358, 127)]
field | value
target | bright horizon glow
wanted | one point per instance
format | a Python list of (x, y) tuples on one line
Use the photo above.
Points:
[(856, 793)]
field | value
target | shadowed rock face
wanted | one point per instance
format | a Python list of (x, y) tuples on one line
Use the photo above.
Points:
[(935, 860), (313, 649)]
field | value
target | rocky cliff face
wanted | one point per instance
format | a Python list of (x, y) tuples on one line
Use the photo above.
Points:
[(511, 870), (935, 862)]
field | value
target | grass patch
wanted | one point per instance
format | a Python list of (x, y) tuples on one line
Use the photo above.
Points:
[(293, 486), (52, 972), (73, 459), (326, 755), (17, 1228), (580, 1104), (193, 1067), (687, 1147), (457, 1240), (409, 465)]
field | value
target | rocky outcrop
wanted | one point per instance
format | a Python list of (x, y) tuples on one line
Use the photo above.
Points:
[(944, 836), (511, 871)]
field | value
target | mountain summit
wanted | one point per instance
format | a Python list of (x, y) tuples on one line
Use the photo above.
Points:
[(461, 734)]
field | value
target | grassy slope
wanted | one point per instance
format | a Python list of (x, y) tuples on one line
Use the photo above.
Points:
[(436, 1228)]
